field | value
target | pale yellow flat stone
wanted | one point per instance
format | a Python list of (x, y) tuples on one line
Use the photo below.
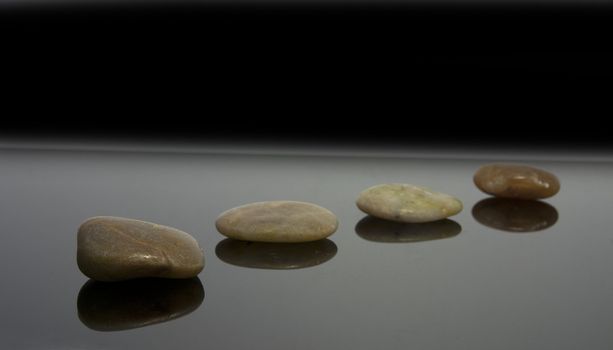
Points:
[(407, 203), (277, 221)]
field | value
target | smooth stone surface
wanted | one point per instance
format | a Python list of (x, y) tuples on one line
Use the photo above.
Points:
[(378, 230), (515, 215), (407, 203), (275, 256), (114, 249), (104, 306), (277, 221), (516, 181)]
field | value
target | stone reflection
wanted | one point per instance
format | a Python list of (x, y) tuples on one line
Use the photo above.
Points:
[(116, 306), (515, 215), (276, 256), (378, 230)]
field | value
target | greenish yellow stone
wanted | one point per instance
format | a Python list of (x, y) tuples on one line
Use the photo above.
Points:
[(407, 203)]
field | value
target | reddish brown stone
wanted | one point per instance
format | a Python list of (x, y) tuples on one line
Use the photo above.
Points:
[(516, 181)]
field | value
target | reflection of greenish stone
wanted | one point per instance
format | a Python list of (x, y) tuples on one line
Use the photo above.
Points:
[(407, 203), (116, 306), (378, 230), (275, 255), (515, 215)]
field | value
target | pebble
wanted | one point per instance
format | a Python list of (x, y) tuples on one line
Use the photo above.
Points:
[(275, 256), (138, 303), (407, 203), (516, 181), (277, 221), (114, 249), (515, 215), (377, 230)]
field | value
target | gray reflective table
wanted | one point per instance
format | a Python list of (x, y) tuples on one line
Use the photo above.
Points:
[(475, 282)]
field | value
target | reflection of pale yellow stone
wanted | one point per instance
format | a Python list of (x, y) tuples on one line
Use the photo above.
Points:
[(114, 249), (407, 203), (516, 181), (277, 221), (275, 256)]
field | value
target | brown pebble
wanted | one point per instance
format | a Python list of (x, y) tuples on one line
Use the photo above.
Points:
[(114, 249), (516, 181)]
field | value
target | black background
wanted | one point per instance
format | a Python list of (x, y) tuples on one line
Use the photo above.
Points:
[(506, 73)]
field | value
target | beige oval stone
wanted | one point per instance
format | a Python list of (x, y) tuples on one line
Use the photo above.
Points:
[(407, 203), (516, 181), (277, 221), (114, 249)]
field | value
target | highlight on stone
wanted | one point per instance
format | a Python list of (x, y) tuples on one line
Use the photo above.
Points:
[(407, 203), (115, 249), (516, 181), (277, 222)]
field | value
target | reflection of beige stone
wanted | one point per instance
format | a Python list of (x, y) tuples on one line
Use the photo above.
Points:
[(277, 221), (275, 256), (516, 181), (137, 303), (407, 203), (114, 249)]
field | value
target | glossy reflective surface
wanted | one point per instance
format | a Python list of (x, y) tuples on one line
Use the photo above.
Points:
[(378, 230), (515, 215), (106, 306), (480, 289), (273, 256)]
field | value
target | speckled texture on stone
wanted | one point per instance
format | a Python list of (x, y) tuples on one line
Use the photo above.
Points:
[(407, 203), (114, 249), (277, 221), (516, 181)]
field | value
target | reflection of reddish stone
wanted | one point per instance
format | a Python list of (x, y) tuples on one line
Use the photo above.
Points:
[(515, 215), (516, 181)]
